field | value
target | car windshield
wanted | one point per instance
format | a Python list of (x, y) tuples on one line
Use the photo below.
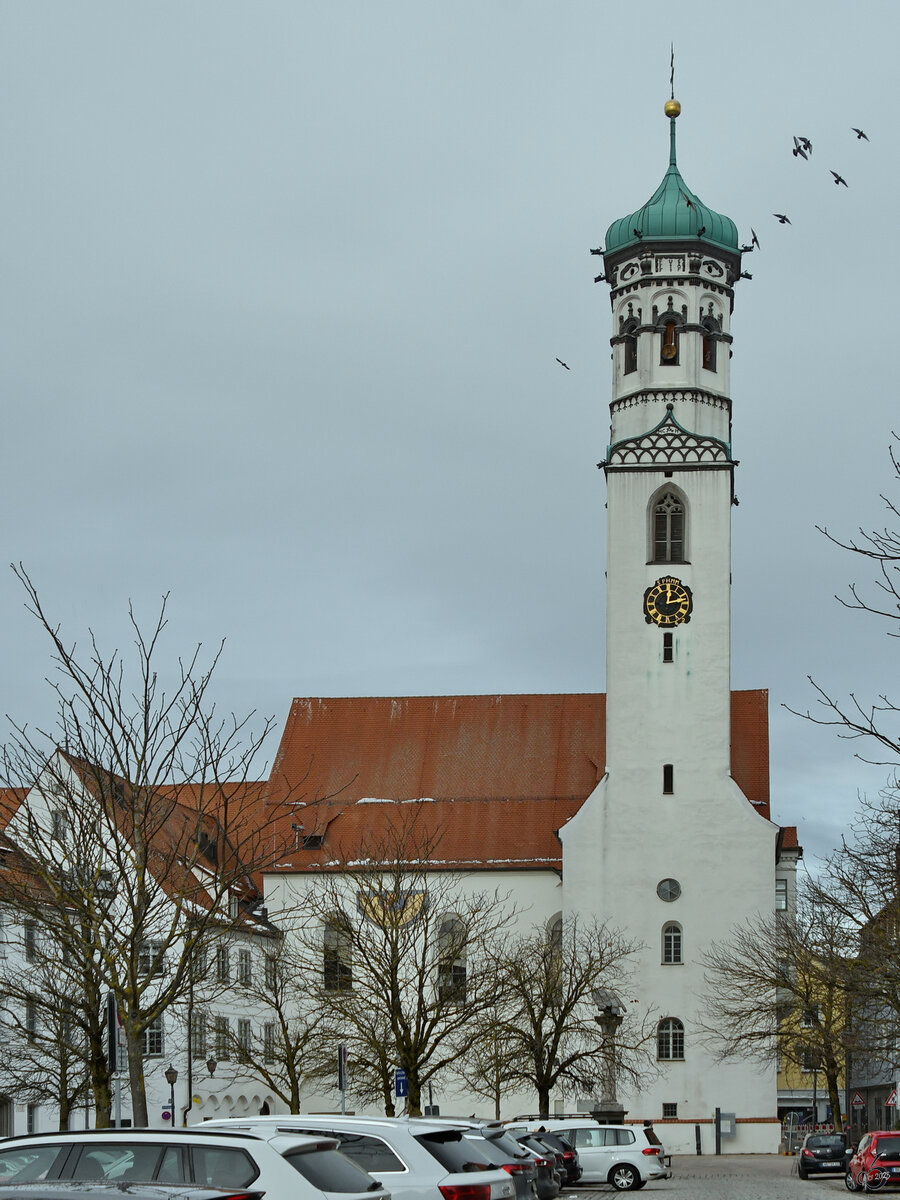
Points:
[(456, 1153), (27, 1163), (826, 1141), (887, 1147)]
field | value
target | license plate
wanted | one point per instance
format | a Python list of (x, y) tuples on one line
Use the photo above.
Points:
[(831, 1164), (895, 1170)]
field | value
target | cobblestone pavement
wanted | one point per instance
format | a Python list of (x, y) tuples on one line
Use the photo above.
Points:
[(731, 1177)]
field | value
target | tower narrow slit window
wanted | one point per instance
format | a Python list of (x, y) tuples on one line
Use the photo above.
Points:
[(668, 779), (668, 648), (668, 529)]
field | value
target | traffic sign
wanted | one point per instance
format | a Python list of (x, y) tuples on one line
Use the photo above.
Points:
[(857, 1101), (400, 1085), (892, 1099)]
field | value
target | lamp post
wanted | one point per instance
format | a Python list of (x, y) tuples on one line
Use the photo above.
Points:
[(211, 1065), (848, 1041), (171, 1080)]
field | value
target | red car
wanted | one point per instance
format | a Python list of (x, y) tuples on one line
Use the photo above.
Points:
[(876, 1163)]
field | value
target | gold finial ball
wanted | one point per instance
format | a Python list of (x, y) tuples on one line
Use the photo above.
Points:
[(673, 108)]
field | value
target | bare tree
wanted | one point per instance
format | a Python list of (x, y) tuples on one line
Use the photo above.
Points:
[(406, 955), (781, 987), (138, 813), (875, 722), (545, 1033)]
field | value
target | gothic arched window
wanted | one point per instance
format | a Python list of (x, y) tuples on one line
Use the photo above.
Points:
[(670, 1039), (668, 528), (671, 943)]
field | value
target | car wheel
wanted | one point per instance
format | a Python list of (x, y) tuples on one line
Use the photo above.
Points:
[(624, 1177), (850, 1183), (803, 1174)]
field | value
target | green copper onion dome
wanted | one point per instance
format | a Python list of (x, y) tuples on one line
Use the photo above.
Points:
[(673, 212)]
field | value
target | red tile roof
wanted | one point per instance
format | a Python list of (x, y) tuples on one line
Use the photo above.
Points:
[(503, 772)]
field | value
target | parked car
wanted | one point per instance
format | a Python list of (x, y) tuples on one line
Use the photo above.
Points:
[(876, 1162), (566, 1155), (823, 1154), (550, 1171), (87, 1190), (621, 1155), (282, 1165), (418, 1160)]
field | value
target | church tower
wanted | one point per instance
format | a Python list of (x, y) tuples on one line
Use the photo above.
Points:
[(667, 848)]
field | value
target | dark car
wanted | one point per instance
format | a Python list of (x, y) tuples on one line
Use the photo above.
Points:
[(876, 1162), (549, 1179), (566, 1149), (823, 1154)]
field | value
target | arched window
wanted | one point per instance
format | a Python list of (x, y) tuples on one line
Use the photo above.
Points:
[(668, 529), (711, 327), (670, 1039), (671, 943), (337, 955), (452, 960), (629, 347)]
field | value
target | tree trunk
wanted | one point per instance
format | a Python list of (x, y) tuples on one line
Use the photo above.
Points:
[(543, 1102), (100, 1082), (136, 1079)]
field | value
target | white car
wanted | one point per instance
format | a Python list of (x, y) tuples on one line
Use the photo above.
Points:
[(421, 1160), (622, 1155), (284, 1166)]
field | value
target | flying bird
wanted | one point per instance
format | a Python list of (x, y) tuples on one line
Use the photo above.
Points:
[(562, 364), (782, 219), (806, 144), (701, 231), (637, 233), (688, 201), (798, 151), (754, 240), (598, 250), (839, 179), (859, 134)]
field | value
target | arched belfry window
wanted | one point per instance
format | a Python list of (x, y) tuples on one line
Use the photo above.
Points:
[(668, 529), (671, 943), (629, 347), (712, 327), (668, 353)]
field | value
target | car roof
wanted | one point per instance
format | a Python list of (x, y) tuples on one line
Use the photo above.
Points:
[(143, 1134), (332, 1121)]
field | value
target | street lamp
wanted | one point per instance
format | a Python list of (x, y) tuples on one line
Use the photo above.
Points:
[(171, 1080), (211, 1065)]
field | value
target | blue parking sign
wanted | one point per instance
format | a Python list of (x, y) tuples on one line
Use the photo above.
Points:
[(400, 1087)]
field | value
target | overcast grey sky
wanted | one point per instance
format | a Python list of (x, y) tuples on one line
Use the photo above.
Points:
[(283, 285)]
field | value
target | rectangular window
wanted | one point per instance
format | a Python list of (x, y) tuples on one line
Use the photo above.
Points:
[(669, 1110), (245, 967), (151, 958), (57, 827), (31, 1020), (31, 1118), (30, 938), (271, 972), (668, 779), (781, 894), (269, 1042), (810, 1016), (244, 1038), (223, 969), (152, 1038), (222, 1040), (668, 647), (198, 1034)]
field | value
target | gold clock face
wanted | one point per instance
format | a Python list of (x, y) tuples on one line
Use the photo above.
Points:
[(668, 602)]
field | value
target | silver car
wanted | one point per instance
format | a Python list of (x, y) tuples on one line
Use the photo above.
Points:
[(420, 1160)]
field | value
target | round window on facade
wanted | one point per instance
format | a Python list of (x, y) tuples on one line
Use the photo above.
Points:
[(668, 889)]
